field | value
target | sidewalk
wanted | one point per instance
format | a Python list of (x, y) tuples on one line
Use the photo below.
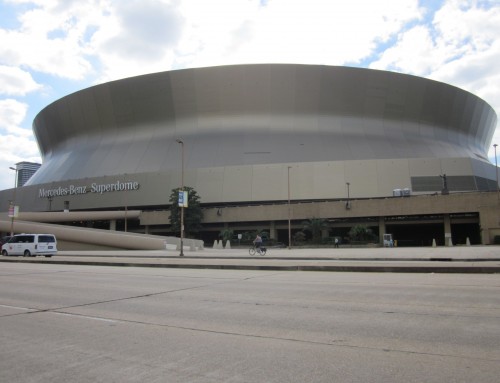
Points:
[(457, 259)]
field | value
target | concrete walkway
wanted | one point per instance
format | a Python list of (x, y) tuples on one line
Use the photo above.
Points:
[(457, 259)]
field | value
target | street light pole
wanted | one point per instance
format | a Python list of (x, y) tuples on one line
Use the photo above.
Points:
[(13, 203), (445, 190), (179, 141), (496, 169), (289, 222)]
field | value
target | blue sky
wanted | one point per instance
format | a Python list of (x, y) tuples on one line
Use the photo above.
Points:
[(51, 48)]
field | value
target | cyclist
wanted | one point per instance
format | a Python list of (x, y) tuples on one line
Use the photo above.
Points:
[(258, 243)]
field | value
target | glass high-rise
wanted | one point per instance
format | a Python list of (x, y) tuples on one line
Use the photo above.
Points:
[(24, 171)]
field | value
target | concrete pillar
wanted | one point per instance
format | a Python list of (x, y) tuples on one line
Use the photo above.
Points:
[(381, 229), (112, 225), (489, 221), (273, 233), (447, 231)]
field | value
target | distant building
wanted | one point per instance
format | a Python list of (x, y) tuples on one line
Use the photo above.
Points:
[(24, 171)]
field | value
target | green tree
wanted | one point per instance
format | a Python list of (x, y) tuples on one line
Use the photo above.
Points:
[(299, 237), (249, 236), (193, 214), (361, 233), (315, 226), (226, 235), (264, 235)]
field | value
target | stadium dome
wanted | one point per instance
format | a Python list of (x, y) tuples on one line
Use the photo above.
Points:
[(245, 127)]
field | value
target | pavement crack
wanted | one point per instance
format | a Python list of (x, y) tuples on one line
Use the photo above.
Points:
[(31, 310), (341, 343)]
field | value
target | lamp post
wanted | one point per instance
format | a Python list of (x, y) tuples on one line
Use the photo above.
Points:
[(13, 203), (445, 190), (179, 141), (496, 169), (289, 222)]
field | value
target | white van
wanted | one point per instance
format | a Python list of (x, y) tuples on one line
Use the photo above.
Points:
[(31, 245)]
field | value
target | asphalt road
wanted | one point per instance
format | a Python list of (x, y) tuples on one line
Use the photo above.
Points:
[(67, 323)]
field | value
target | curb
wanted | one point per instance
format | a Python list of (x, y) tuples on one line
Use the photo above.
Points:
[(469, 269)]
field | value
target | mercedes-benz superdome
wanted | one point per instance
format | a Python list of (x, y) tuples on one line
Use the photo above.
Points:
[(243, 126)]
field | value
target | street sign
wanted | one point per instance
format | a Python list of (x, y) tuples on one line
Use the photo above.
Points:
[(183, 199), (13, 211)]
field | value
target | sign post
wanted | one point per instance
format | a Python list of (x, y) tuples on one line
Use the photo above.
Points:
[(13, 213)]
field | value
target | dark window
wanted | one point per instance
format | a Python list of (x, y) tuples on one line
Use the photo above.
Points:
[(46, 238), (23, 239)]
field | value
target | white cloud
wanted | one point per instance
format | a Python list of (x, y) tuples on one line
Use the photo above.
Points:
[(25, 149), (16, 82), (460, 30), (12, 114), (15, 139), (410, 54), (116, 39), (316, 31), (51, 40), (136, 37), (17, 144)]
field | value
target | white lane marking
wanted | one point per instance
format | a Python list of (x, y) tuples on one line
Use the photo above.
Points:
[(83, 316), (18, 308)]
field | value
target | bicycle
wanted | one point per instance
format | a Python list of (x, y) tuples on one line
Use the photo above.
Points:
[(261, 250)]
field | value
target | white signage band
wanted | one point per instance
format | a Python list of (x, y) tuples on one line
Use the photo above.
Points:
[(94, 188)]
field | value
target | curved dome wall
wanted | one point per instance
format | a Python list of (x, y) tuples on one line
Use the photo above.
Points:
[(244, 125)]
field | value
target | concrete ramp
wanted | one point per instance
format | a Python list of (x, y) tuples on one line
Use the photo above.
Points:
[(79, 238)]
